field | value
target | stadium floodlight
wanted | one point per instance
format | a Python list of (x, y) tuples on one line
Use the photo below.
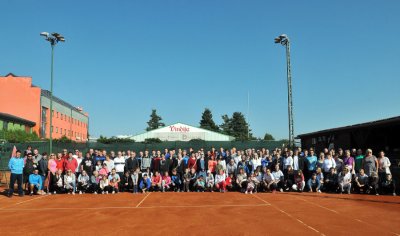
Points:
[(53, 39), (283, 39), (44, 34)]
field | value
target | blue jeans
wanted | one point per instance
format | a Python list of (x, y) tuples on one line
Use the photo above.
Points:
[(43, 181), (18, 178)]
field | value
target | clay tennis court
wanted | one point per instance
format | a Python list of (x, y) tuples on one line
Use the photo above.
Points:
[(201, 214)]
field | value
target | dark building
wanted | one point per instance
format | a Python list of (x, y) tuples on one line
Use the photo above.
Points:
[(377, 135)]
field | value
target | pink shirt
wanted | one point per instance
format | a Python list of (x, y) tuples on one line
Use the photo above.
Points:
[(52, 165)]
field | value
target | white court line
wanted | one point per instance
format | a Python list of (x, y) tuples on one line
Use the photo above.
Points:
[(338, 213), (328, 209), (289, 215), (140, 207), (261, 199), (18, 203), (142, 200)]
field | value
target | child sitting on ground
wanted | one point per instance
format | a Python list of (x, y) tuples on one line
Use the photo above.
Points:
[(200, 184), (250, 185), (166, 182)]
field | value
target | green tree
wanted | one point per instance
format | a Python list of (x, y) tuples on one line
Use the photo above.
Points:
[(155, 121), (207, 121), (268, 137), (226, 126), (236, 126), (240, 127), (113, 139)]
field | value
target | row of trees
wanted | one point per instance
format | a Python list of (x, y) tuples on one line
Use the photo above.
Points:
[(235, 126)]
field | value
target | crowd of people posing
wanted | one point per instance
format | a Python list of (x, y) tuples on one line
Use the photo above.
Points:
[(247, 171)]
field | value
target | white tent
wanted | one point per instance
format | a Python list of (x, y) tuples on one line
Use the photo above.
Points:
[(182, 132)]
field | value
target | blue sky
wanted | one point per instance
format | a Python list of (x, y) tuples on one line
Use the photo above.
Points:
[(123, 58)]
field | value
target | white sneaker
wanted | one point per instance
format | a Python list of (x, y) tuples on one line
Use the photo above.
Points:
[(107, 192), (69, 193), (95, 192), (246, 192), (80, 192), (281, 190), (55, 192), (113, 192), (102, 192), (319, 191), (251, 192)]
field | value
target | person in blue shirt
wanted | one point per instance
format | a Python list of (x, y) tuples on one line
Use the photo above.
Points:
[(35, 182), (185, 159), (311, 163), (16, 166), (145, 183)]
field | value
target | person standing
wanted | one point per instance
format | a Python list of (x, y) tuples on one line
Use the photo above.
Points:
[(370, 163), (43, 169), (311, 161), (29, 166), (384, 166), (16, 166), (119, 164), (358, 160)]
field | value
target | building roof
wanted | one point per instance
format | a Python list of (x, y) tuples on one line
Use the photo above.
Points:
[(386, 121), (46, 93), (180, 123), (12, 118)]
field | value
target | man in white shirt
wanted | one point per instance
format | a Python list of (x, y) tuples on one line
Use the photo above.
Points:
[(119, 164), (278, 178)]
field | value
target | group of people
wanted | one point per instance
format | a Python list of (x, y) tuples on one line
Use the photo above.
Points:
[(247, 171)]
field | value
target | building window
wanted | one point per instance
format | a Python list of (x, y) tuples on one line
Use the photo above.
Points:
[(56, 130), (52, 129), (57, 114), (44, 122), (313, 141)]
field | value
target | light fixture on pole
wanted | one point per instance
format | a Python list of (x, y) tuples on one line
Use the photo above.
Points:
[(284, 40), (54, 38)]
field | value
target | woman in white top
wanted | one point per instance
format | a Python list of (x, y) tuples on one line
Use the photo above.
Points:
[(104, 184), (256, 161), (345, 180), (288, 161), (383, 166), (70, 182), (109, 163), (329, 162)]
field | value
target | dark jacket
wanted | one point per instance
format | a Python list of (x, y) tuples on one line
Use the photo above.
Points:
[(88, 165), (54, 179), (131, 164), (43, 167), (199, 165), (164, 165), (28, 169)]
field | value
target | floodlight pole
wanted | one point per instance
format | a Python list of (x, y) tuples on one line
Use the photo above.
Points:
[(51, 101), (54, 39), (284, 40)]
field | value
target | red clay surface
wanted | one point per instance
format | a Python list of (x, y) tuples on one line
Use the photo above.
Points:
[(201, 214)]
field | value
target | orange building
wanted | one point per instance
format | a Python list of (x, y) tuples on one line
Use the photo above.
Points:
[(19, 98)]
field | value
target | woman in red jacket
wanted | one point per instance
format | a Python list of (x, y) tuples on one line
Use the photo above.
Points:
[(192, 162)]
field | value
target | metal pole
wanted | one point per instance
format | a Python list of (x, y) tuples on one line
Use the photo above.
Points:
[(51, 100), (290, 103)]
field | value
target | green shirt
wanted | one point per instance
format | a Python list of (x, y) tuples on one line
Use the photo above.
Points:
[(359, 160)]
